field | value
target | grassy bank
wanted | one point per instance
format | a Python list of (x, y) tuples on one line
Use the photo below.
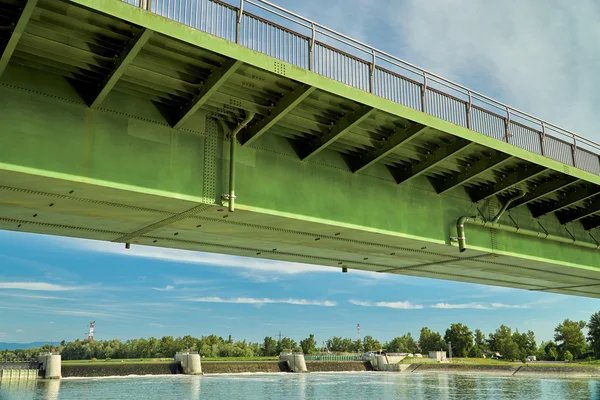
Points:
[(166, 360)]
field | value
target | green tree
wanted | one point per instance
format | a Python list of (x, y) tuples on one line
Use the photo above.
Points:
[(269, 346), (503, 341), (540, 354), (594, 333), (357, 346), (475, 352), (461, 338), (340, 345), (480, 341), (401, 344), (568, 356), (570, 338), (370, 344), (309, 345), (430, 341), (285, 345)]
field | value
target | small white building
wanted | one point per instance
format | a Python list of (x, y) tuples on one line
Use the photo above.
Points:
[(531, 358), (438, 355)]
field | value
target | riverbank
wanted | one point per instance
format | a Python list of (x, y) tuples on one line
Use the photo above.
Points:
[(539, 370)]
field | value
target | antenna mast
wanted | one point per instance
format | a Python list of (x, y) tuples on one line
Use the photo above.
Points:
[(91, 331)]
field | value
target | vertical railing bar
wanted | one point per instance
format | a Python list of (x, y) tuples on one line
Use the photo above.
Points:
[(574, 151), (372, 72), (423, 92)]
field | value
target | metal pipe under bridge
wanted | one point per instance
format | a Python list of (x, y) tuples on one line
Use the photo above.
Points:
[(117, 119)]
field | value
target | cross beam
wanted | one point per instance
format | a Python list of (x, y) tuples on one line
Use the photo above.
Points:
[(433, 159), (218, 76), (16, 34), (513, 179), (470, 173), (580, 194), (131, 50), (393, 142), (284, 106), (341, 127), (570, 216), (590, 223), (543, 190)]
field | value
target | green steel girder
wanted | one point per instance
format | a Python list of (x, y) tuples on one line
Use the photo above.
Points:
[(128, 54), (340, 128), (471, 172), (545, 189), (218, 77), (414, 170), (569, 216), (565, 287), (160, 224), (287, 103), (393, 142), (510, 180), (580, 194), (16, 34), (125, 153)]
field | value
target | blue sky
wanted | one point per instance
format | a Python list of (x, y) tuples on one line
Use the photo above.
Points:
[(51, 287), (539, 58)]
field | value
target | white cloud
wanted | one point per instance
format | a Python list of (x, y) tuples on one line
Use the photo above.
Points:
[(402, 305), (37, 286), (194, 257), (20, 331), (157, 325), (256, 301), (536, 55), (34, 296), (76, 313), (167, 288), (476, 306)]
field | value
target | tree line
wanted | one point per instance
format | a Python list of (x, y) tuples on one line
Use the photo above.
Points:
[(569, 344)]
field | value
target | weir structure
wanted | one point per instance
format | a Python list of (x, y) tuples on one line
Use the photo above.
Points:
[(245, 129)]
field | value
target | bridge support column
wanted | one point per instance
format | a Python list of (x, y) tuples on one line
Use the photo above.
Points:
[(50, 365), (295, 361), (190, 363)]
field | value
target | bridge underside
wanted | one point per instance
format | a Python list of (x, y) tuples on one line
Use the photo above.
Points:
[(115, 127)]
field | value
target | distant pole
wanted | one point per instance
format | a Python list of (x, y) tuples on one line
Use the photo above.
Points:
[(450, 350), (358, 332), (91, 331)]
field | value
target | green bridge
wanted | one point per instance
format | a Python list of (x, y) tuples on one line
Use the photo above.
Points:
[(245, 129)]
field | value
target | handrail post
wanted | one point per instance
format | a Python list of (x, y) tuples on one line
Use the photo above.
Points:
[(311, 48), (423, 93), (469, 104), (507, 127), (240, 13), (372, 72), (543, 138), (575, 151)]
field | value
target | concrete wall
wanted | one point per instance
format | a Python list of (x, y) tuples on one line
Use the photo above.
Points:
[(50, 365), (295, 361), (190, 363), (18, 374)]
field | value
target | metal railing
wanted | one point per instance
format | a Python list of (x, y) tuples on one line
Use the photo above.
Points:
[(307, 44)]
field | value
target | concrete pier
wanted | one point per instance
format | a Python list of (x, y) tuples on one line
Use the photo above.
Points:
[(50, 365), (190, 362), (295, 361)]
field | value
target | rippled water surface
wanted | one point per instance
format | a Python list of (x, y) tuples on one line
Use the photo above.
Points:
[(330, 386)]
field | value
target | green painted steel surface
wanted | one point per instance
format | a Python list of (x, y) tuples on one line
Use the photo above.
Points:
[(120, 172)]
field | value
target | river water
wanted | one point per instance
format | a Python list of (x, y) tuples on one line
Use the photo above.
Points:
[(329, 386)]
